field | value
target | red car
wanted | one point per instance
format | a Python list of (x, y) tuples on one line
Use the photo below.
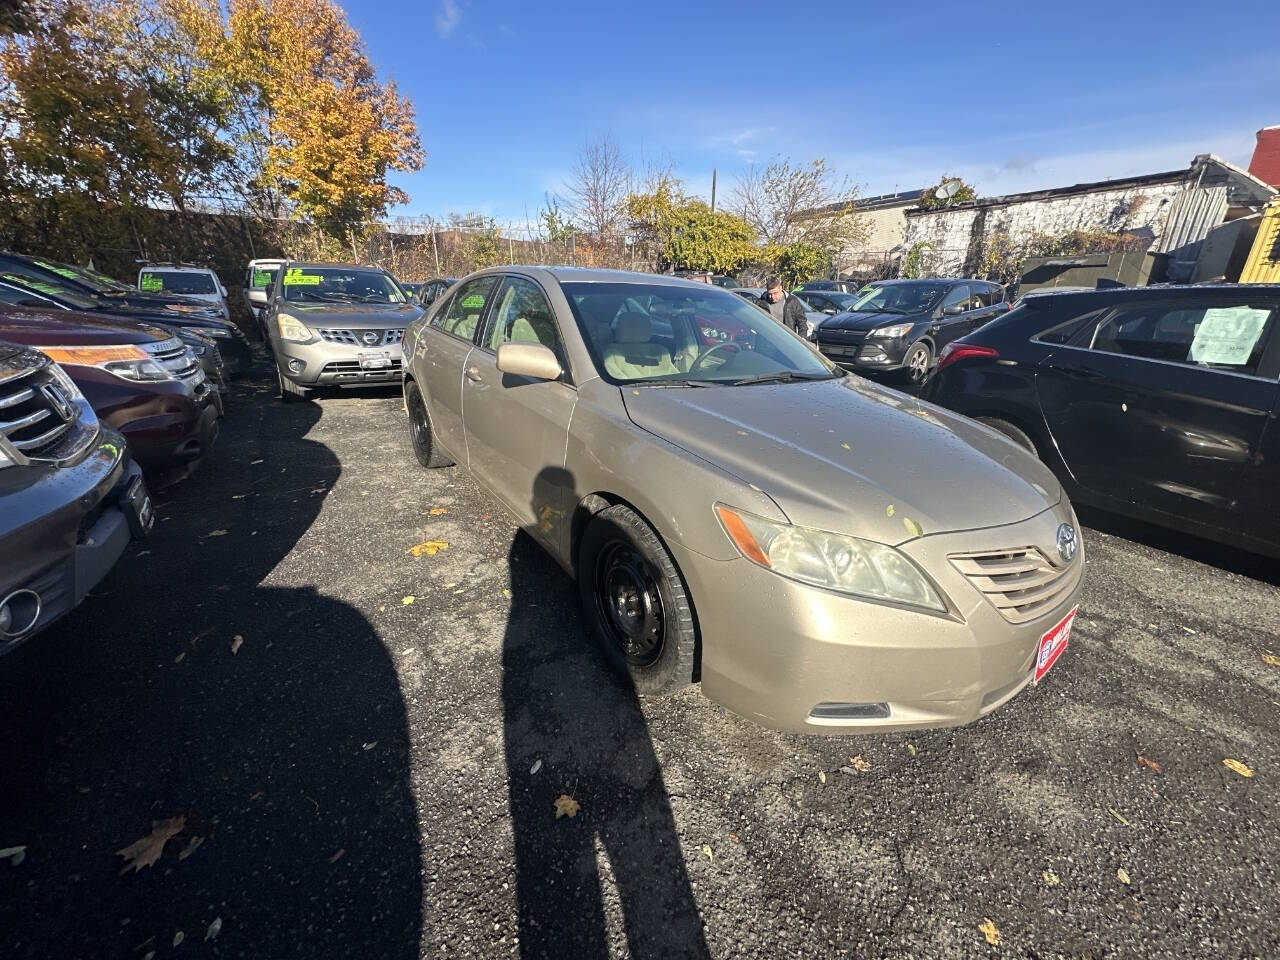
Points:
[(139, 379)]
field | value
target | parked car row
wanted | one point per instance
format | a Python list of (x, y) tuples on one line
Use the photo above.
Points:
[(105, 392)]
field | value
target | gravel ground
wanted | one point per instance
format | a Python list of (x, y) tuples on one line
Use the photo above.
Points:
[(365, 749)]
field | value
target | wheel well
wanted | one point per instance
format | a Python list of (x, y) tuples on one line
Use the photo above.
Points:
[(1036, 436), (592, 504)]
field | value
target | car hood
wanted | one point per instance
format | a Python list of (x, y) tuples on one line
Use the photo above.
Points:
[(356, 315), (861, 320), (853, 457), (67, 328)]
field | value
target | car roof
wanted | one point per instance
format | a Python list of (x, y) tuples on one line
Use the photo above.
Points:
[(175, 267), (329, 265), (1156, 291), (570, 274), (951, 281)]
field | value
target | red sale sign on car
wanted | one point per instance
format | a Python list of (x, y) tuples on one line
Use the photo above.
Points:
[(1053, 644)]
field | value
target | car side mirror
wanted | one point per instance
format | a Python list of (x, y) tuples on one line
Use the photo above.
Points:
[(529, 360), (830, 311), (223, 289), (953, 310)]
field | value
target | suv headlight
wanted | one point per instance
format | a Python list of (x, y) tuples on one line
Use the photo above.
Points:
[(860, 568), (291, 328), (126, 362), (896, 330)]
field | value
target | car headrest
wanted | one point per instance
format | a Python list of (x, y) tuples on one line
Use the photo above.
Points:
[(633, 328)]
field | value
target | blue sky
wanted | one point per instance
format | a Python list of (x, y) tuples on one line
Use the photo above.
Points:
[(1009, 95)]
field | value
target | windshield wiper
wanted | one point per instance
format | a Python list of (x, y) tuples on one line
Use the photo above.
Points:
[(780, 376), (678, 383)]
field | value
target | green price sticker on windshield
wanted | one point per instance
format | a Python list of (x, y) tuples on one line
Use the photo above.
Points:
[(261, 279), (473, 302), (151, 282), (294, 277)]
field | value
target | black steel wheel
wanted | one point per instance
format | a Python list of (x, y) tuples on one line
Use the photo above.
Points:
[(635, 602), (421, 437)]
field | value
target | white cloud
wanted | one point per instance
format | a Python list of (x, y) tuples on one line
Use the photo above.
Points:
[(448, 18)]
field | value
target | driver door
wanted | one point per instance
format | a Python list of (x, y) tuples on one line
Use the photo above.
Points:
[(948, 326)]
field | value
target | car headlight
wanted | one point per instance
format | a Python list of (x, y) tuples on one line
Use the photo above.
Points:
[(126, 362), (896, 330), (861, 568), (291, 328), (212, 331)]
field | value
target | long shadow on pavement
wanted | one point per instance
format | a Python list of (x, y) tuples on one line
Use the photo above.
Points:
[(287, 757), (583, 728)]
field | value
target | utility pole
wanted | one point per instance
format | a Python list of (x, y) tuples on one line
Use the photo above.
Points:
[(435, 251), (713, 189)]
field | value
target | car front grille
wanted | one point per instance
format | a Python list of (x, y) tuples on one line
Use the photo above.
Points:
[(174, 356), (840, 343), (356, 338), (352, 370), (38, 417), (1022, 584)]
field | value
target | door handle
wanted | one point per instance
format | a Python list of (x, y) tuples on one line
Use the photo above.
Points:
[(473, 374)]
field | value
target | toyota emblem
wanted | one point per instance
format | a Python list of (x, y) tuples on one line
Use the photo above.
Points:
[(372, 336), (1067, 542)]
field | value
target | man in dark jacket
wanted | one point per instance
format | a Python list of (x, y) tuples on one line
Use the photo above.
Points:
[(786, 309)]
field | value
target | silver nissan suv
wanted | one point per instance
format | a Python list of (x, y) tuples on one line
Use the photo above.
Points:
[(336, 325)]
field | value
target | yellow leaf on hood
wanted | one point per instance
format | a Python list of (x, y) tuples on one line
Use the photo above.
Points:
[(1241, 768), (566, 806), (990, 931), (428, 548), (145, 852), (912, 527)]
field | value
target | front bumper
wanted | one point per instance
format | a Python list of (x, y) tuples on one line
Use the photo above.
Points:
[(324, 364), (806, 660), (865, 353), (177, 433), (76, 522)]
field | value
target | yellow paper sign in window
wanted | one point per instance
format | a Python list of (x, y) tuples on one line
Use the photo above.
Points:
[(296, 278)]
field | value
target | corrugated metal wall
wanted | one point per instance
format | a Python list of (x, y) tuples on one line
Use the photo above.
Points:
[(1193, 213), (1263, 265)]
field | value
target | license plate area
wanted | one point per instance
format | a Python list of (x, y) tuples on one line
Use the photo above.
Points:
[(1053, 643), (138, 511)]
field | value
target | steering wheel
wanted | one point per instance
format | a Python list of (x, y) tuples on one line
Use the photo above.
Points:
[(728, 345)]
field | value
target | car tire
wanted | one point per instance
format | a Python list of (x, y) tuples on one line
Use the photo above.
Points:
[(1014, 433), (629, 586), (917, 362), (291, 392), (421, 436)]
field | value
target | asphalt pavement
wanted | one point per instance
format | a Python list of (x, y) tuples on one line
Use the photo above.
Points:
[(340, 746)]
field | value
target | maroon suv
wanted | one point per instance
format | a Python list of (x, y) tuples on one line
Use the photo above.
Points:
[(139, 379)]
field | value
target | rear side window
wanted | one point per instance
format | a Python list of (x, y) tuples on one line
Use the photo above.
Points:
[(462, 314), (1224, 337)]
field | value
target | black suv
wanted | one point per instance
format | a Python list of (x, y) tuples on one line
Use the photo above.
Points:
[(71, 498), (1155, 402), (901, 325)]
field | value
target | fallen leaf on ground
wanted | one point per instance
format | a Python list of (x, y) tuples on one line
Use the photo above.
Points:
[(912, 527), (178, 938), (990, 931), (1050, 878), (428, 548), (145, 852), (215, 928), (338, 855), (369, 746), (1241, 768), (1116, 813), (566, 806), (437, 512), (236, 642), (1271, 660), (707, 850), (405, 601), (1123, 876), (911, 749), (734, 838), (190, 848), (254, 463), (537, 765), (180, 657), (1149, 764), (822, 775), (859, 764), (216, 533), (15, 855)]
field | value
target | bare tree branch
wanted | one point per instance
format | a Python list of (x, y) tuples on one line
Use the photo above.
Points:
[(598, 188)]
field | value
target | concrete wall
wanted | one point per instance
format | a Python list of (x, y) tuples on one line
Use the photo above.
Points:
[(954, 236), (887, 227)]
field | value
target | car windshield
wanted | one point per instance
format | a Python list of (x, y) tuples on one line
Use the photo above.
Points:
[(662, 334), (899, 298), (62, 292), (176, 281), (339, 285), (91, 278)]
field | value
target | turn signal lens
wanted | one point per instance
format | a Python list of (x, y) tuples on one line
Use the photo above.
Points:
[(741, 536)]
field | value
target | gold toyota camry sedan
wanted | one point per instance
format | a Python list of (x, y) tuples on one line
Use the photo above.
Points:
[(823, 554)]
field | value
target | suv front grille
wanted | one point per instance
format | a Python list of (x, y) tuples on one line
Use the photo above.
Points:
[(174, 356), (1022, 584), (37, 416), (384, 338)]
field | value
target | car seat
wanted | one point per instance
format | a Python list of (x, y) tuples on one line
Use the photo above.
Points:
[(631, 356)]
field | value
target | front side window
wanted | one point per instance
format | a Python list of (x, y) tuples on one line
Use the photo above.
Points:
[(655, 333), (899, 298), (339, 285), (176, 281), (957, 297), (522, 315), (461, 315), (1221, 337)]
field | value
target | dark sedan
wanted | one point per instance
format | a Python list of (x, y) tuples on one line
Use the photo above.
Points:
[(427, 293), (1155, 402), (901, 325)]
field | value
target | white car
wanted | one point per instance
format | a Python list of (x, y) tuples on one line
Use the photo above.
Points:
[(198, 283), (259, 277)]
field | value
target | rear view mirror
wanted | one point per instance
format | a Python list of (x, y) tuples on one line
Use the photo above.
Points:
[(529, 360)]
